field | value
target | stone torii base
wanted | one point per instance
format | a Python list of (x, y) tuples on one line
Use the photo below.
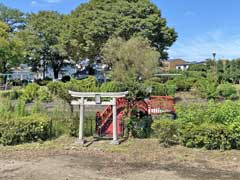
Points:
[(82, 102)]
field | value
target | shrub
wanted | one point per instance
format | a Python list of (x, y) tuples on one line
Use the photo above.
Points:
[(142, 127), (159, 89), (192, 112), (165, 131), (138, 125), (135, 89), (112, 86), (30, 92), (182, 84), (12, 94), (209, 136), (209, 125), (235, 134), (227, 91), (44, 95), (61, 89), (1, 80), (56, 87), (206, 88), (35, 92), (24, 129), (20, 108), (6, 109), (212, 112), (170, 90)]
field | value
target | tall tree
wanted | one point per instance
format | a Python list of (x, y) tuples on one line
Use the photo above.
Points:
[(42, 35), (132, 60), (11, 49), (93, 23), (13, 17)]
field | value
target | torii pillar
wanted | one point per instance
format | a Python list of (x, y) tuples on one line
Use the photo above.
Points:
[(82, 102)]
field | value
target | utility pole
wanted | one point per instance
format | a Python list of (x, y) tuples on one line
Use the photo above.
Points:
[(214, 56), (214, 66)]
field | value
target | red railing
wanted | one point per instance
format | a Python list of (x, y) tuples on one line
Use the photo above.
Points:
[(141, 106), (161, 104), (106, 116), (155, 106)]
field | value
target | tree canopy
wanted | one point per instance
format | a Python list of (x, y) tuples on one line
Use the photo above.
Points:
[(11, 48), (50, 37), (134, 59), (93, 23), (13, 17), (42, 36)]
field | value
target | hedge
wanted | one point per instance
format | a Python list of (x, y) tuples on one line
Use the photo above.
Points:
[(210, 126), (12, 94), (210, 136), (159, 89), (19, 130)]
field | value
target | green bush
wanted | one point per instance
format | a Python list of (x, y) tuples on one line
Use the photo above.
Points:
[(12, 94), (159, 89), (30, 92), (138, 125), (206, 88), (6, 109), (227, 91), (20, 108), (44, 95), (208, 136), (56, 87), (235, 134), (24, 129), (142, 127), (112, 86), (166, 131), (1, 80), (213, 112), (182, 84), (209, 125), (61, 89), (34, 92)]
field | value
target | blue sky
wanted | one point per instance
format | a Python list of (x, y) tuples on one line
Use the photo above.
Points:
[(203, 26)]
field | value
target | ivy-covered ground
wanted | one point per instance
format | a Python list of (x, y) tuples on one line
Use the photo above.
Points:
[(61, 159)]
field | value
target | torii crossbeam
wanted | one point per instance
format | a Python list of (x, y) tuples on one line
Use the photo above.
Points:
[(82, 102)]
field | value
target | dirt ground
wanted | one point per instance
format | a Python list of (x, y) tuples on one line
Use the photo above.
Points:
[(61, 159)]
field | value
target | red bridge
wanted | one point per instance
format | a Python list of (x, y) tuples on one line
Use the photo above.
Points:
[(156, 105)]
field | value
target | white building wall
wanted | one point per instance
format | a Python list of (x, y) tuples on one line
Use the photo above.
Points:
[(182, 67)]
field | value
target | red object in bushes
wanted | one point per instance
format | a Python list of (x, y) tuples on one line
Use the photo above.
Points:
[(155, 106)]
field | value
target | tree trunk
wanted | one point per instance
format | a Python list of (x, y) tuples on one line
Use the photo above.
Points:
[(55, 72)]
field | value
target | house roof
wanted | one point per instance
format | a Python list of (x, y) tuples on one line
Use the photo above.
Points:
[(184, 64), (178, 59)]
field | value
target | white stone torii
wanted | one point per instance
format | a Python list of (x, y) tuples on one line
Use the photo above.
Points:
[(84, 102)]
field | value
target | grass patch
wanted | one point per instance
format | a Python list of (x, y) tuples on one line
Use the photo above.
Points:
[(59, 143)]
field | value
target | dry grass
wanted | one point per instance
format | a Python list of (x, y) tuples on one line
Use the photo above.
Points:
[(134, 155), (134, 150)]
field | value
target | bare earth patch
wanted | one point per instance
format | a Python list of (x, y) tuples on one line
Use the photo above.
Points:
[(61, 159)]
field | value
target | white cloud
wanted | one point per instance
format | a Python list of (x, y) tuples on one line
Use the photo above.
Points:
[(52, 1), (44, 3), (190, 13), (202, 47), (33, 3)]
